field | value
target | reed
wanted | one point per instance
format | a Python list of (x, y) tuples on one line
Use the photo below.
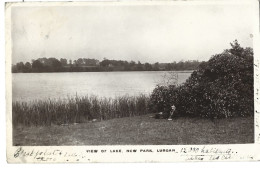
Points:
[(77, 110)]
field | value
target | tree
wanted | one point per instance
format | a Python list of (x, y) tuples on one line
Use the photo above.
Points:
[(105, 63), (75, 63), (63, 62), (168, 67), (156, 66), (85, 64), (139, 66), (148, 67), (220, 88), (236, 49), (80, 61), (55, 64), (28, 67), (37, 66), (20, 67), (14, 69)]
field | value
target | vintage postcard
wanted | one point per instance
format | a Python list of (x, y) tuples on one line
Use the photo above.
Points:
[(142, 81)]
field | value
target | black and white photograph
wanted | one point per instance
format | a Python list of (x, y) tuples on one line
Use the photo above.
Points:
[(131, 74)]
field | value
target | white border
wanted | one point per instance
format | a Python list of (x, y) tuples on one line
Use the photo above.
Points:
[(244, 150)]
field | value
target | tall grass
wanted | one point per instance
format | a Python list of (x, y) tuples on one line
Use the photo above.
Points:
[(77, 110)]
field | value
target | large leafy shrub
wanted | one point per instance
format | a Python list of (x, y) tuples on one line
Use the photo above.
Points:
[(219, 88)]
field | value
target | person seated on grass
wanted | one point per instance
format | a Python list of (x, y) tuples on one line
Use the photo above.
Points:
[(173, 108), (165, 114), (159, 115)]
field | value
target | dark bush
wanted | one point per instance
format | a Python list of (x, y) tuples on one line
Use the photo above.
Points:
[(219, 88), (161, 98)]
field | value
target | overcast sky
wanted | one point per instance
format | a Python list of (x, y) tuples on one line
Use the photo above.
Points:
[(140, 33)]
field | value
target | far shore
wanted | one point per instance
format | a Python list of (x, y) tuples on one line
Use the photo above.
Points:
[(178, 71)]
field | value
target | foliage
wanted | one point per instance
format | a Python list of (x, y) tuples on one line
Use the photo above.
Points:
[(162, 98), (77, 110), (94, 65), (219, 88), (183, 65)]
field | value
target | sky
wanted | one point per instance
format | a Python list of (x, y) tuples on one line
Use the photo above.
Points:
[(146, 33)]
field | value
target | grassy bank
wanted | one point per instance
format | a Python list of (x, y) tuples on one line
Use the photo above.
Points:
[(140, 130), (77, 110)]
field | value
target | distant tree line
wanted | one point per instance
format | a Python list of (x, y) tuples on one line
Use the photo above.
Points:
[(93, 65)]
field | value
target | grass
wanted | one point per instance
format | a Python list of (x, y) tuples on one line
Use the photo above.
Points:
[(77, 110), (139, 130)]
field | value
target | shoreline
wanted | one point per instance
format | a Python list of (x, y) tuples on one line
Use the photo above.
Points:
[(77, 110), (177, 71)]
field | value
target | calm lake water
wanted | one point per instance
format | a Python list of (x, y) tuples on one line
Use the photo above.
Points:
[(32, 86)]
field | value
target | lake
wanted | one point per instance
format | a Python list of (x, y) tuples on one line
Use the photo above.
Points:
[(32, 86)]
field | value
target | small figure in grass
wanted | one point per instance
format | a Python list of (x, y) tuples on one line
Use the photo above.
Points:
[(173, 108), (165, 114), (159, 115)]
